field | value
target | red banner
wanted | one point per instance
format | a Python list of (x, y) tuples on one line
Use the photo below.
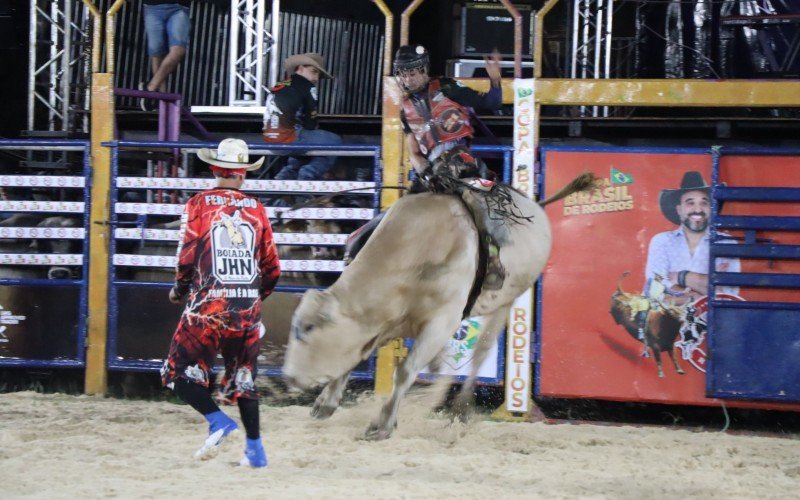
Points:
[(613, 296)]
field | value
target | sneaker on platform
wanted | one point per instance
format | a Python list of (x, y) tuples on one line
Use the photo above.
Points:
[(254, 454), (220, 426), (146, 104)]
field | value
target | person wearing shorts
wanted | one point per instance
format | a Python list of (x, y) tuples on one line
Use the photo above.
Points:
[(166, 25), (227, 265)]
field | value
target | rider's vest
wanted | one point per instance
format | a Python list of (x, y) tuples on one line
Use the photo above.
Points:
[(437, 119)]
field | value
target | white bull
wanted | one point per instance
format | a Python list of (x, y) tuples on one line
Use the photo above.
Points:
[(412, 279)]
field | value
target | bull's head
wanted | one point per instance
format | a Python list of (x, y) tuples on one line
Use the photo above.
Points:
[(324, 343)]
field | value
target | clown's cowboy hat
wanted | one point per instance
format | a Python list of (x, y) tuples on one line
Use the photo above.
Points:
[(231, 153), (669, 199), (307, 59)]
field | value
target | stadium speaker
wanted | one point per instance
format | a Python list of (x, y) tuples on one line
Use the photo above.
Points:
[(487, 25)]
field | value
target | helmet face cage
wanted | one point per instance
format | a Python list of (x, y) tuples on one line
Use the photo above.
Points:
[(411, 79), (410, 58), (405, 68), (411, 67)]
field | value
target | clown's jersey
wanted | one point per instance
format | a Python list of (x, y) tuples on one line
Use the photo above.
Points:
[(227, 259)]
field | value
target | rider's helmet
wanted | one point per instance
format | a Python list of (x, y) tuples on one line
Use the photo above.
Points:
[(410, 66)]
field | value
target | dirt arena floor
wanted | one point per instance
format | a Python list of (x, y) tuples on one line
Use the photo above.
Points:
[(65, 446)]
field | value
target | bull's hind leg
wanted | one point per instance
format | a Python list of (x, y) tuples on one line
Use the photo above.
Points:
[(463, 405), (426, 346), (328, 400)]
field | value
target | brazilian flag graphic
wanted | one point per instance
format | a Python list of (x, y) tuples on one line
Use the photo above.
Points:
[(619, 177)]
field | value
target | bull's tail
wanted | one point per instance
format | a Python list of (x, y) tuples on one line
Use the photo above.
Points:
[(586, 180)]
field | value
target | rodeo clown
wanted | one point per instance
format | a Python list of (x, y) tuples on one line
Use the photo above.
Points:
[(438, 134), (227, 265)]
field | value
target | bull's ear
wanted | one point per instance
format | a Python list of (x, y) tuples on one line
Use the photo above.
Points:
[(311, 295)]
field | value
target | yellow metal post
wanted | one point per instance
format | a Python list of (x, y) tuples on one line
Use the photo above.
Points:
[(102, 130), (394, 173)]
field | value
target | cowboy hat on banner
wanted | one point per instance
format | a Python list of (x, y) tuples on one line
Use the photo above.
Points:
[(669, 199)]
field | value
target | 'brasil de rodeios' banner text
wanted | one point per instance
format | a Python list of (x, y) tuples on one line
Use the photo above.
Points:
[(601, 241)]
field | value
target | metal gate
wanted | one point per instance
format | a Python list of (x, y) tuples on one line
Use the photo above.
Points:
[(142, 261), (755, 344), (43, 252)]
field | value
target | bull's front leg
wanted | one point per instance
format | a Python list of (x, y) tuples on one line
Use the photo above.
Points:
[(426, 346), (328, 400)]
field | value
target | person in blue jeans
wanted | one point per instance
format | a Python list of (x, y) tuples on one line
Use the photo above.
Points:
[(167, 26), (291, 117)]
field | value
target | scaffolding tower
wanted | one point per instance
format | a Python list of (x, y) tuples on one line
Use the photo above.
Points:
[(250, 45), (592, 21), (58, 90)]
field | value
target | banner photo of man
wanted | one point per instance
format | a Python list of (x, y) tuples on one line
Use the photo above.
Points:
[(623, 302)]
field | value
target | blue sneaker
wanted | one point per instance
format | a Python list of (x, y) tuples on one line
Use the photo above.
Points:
[(254, 455), (220, 425)]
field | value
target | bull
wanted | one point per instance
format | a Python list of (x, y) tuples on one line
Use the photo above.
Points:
[(662, 325), (413, 279)]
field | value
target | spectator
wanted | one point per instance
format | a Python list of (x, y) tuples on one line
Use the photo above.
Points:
[(227, 265), (166, 24), (291, 117)]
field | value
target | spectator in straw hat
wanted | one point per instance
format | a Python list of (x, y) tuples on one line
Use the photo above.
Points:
[(291, 117), (227, 265)]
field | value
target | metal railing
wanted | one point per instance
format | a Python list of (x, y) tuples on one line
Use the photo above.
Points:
[(141, 274), (43, 320)]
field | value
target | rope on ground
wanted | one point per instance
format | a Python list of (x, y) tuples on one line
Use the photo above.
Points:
[(727, 417)]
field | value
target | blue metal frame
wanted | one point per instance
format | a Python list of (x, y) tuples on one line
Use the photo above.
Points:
[(80, 360), (747, 365), (115, 284)]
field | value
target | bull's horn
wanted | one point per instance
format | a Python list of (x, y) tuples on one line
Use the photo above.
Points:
[(619, 282)]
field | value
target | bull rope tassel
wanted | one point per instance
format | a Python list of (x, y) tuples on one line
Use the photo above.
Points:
[(583, 182), (502, 207)]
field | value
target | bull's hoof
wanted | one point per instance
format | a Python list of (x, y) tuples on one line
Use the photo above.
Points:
[(375, 433), (321, 412), (462, 411)]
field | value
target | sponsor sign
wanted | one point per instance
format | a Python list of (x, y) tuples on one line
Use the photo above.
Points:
[(590, 346), (233, 249), (457, 356), (520, 321)]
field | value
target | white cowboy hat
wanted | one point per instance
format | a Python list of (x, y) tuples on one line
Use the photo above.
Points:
[(307, 59), (231, 153)]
